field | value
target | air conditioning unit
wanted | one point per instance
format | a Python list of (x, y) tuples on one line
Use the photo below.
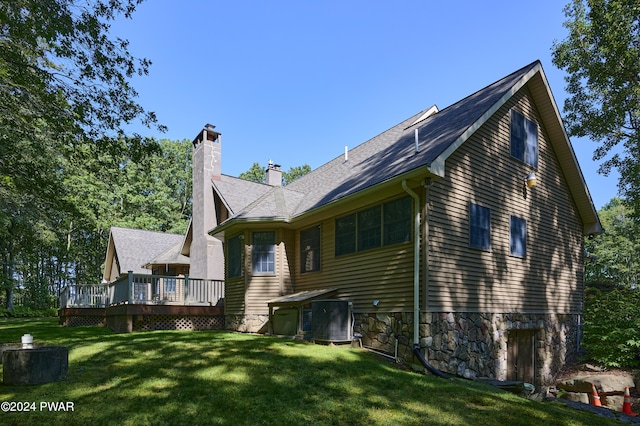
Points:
[(331, 320)]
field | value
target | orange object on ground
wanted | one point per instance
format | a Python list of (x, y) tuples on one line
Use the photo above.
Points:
[(626, 406), (595, 397)]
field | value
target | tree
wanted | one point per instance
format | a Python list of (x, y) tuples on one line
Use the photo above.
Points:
[(614, 256), (601, 55), (295, 172), (64, 90), (257, 173)]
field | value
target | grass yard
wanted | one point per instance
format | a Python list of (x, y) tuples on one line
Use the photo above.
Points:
[(222, 378)]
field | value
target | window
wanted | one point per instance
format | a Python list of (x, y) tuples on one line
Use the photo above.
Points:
[(518, 236), (234, 256), (310, 249), (263, 252), (381, 225), (479, 227), (169, 285), (346, 235), (397, 221), (369, 228), (524, 139)]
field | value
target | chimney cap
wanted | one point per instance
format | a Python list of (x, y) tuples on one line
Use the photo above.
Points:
[(209, 128)]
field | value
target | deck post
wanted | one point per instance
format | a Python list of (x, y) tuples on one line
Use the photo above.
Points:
[(186, 287), (130, 284)]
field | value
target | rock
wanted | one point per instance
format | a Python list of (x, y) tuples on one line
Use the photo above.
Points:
[(575, 396), (575, 386)]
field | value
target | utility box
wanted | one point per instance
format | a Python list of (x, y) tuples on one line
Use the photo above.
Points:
[(332, 320)]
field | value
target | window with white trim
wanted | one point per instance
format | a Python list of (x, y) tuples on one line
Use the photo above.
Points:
[(263, 252)]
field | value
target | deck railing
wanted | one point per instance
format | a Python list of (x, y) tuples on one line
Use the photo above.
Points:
[(145, 289)]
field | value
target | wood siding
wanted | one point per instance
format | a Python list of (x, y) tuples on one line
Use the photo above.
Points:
[(248, 294), (458, 279), (482, 171), (384, 274)]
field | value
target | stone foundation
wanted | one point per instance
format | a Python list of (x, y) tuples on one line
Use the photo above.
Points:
[(250, 323), (473, 345)]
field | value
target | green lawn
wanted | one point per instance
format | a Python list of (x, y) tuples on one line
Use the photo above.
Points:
[(214, 377)]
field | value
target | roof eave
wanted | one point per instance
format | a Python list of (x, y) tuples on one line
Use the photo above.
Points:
[(417, 173), (219, 231)]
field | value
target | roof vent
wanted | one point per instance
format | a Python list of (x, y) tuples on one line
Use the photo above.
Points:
[(428, 113)]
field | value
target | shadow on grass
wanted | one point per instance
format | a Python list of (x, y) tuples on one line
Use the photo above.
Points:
[(214, 377)]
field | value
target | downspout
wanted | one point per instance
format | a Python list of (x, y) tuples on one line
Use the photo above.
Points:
[(416, 263), (416, 284)]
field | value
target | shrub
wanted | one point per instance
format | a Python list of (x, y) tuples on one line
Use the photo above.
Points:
[(612, 328), (23, 312)]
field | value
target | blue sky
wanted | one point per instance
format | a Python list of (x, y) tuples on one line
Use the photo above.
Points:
[(297, 81)]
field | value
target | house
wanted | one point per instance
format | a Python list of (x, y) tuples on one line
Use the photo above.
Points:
[(155, 280), (131, 249), (458, 232)]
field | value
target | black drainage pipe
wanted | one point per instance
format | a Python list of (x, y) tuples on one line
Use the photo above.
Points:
[(425, 363)]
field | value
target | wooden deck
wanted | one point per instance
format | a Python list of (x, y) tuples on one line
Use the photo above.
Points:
[(140, 302)]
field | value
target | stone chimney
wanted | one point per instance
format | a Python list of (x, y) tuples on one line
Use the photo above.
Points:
[(274, 174), (206, 256)]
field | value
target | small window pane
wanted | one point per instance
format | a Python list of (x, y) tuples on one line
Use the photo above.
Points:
[(346, 235), (310, 249), (169, 285), (524, 139), (397, 221), (518, 236), (369, 228), (479, 227), (234, 256), (517, 135), (531, 154), (263, 252)]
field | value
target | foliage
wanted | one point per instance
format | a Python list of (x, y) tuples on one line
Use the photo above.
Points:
[(64, 93), (128, 188), (219, 377), (612, 327), (295, 172), (257, 173), (614, 256), (22, 312), (60, 66), (601, 55)]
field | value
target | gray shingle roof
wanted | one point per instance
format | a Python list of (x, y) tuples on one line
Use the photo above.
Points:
[(170, 256), (238, 193), (136, 247), (392, 153)]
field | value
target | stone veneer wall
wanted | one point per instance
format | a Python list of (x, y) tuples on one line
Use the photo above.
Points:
[(473, 344), (247, 323)]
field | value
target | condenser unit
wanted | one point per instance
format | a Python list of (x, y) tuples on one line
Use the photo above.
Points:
[(331, 320)]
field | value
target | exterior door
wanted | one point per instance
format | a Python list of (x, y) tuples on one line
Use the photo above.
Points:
[(521, 356)]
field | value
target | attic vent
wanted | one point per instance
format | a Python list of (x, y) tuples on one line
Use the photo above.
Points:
[(331, 320)]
